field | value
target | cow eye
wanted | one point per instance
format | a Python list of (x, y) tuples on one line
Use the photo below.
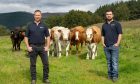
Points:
[(90, 34)]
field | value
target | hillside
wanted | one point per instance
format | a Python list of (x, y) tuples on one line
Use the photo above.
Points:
[(14, 19), (52, 14)]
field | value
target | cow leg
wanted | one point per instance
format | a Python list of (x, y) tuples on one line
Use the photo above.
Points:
[(18, 48), (70, 48), (48, 52), (81, 46), (15, 46), (96, 51), (18, 45), (59, 49), (55, 49), (77, 48), (12, 45), (52, 50), (67, 48), (93, 50), (88, 53)]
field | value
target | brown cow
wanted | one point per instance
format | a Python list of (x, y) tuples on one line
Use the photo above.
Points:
[(77, 36), (93, 37)]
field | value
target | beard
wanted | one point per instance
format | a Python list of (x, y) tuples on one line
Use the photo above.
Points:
[(37, 20), (109, 18)]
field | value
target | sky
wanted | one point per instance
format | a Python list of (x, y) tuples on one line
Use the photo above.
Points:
[(52, 6)]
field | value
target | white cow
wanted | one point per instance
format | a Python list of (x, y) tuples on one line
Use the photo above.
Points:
[(65, 41), (59, 35), (93, 37)]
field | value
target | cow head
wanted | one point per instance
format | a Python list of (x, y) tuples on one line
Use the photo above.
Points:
[(56, 34), (15, 34), (89, 34), (65, 34)]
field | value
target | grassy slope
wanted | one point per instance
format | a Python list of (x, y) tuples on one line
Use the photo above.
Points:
[(14, 66)]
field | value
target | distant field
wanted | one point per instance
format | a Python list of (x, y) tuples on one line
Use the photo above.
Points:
[(14, 66)]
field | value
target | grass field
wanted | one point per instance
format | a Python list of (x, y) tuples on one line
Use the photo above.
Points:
[(14, 66)]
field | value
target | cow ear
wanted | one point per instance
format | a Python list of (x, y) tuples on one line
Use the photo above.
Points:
[(94, 32), (12, 32)]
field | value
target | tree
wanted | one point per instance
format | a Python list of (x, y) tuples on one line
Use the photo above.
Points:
[(76, 17), (3, 30), (122, 12), (54, 21)]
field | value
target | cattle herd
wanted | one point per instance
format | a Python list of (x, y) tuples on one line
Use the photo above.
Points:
[(63, 39)]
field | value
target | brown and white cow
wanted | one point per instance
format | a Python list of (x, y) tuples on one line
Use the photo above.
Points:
[(93, 37), (60, 36), (77, 36), (65, 40), (51, 42)]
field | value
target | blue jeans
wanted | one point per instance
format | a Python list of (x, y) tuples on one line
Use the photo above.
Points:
[(112, 54)]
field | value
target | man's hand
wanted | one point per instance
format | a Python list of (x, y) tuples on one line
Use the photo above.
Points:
[(46, 48), (103, 45), (103, 42), (116, 44), (30, 49)]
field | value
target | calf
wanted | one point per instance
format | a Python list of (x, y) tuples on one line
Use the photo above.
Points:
[(65, 40), (77, 36), (16, 38), (93, 37), (55, 36)]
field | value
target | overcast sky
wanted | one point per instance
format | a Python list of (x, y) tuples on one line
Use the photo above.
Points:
[(52, 5)]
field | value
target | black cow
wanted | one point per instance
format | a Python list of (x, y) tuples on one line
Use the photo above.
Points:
[(16, 37)]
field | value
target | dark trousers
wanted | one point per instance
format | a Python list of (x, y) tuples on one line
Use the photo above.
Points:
[(38, 50), (112, 54)]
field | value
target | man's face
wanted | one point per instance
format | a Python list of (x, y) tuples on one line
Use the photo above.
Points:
[(37, 16), (109, 16)]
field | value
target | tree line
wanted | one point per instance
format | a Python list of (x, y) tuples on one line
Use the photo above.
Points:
[(123, 11), (128, 10)]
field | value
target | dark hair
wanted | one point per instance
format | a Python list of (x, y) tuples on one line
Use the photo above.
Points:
[(109, 10), (37, 11)]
